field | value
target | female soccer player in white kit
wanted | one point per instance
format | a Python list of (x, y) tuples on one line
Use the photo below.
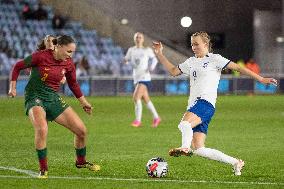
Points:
[(204, 70), (139, 56)]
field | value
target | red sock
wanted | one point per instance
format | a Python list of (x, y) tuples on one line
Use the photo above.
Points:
[(80, 160), (43, 164), (42, 159), (81, 154)]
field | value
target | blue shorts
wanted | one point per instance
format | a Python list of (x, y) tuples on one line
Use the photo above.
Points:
[(205, 111), (148, 84)]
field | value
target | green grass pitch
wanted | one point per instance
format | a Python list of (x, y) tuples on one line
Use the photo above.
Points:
[(247, 127)]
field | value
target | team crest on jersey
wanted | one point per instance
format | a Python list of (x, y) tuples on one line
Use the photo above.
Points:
[(63, 71), (205, 64), (37, 101)]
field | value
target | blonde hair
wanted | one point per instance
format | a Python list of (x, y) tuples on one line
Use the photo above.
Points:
[(205, 38)]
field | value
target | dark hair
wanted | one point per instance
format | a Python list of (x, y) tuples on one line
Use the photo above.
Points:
[(84, 62), (63, 40), (41, 45)]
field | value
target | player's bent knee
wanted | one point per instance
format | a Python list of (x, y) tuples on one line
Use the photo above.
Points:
[(42, 131), (183, 124), (38, 121), (82, 133), (136, 98)]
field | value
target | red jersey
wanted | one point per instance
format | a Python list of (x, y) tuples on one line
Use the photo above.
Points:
[(48, 71)]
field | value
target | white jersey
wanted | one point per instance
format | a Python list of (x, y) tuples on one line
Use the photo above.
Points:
[(139, 59), (204, 75)]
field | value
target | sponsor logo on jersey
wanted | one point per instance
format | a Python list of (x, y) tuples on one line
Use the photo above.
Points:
[(205, 64)]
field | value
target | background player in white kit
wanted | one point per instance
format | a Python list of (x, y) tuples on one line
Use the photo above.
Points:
[(204, 70), (139, 57)]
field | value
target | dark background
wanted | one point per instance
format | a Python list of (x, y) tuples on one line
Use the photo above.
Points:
[(229, 21)]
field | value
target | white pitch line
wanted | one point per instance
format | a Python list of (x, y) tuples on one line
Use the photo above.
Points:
[(28, 172), (33, 174), (144, 180)]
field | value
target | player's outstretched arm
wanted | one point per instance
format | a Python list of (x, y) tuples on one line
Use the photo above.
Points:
[(245, 71), (20, 65), (158, 50)]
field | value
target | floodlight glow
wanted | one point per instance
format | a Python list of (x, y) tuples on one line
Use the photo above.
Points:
[(124, 21), (186, 22), (280, 39)]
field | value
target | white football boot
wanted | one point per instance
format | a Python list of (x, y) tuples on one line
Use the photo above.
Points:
[(237, 168)]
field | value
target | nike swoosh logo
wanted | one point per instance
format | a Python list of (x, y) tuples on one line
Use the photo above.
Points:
[(46, 69)]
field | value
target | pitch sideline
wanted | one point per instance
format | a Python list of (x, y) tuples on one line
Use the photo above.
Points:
[(32, 174), (27, 172)]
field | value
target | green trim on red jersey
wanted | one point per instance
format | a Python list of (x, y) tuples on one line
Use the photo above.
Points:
[(28, 61)]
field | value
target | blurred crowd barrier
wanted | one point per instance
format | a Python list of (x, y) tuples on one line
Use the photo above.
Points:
[(161, 85)]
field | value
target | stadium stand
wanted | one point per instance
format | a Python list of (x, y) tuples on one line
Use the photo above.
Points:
[(19, 38)]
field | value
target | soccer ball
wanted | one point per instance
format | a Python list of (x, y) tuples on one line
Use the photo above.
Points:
[(157, 167)]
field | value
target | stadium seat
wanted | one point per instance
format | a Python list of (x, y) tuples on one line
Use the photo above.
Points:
[(23, 35)]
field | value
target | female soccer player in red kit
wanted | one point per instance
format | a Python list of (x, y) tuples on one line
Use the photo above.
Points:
[(43, 104)]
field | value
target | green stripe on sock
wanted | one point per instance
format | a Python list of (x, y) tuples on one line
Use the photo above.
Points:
[(81, 151), (42, 153)]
